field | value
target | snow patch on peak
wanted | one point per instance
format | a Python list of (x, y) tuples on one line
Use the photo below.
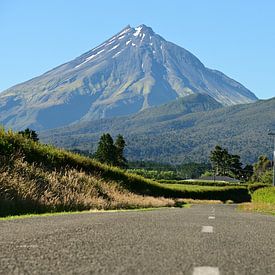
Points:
[(118, 53), (124, 31), (114, 47), (110, 43), (89, 58), (128, 42), (137, 32), (143, 35)]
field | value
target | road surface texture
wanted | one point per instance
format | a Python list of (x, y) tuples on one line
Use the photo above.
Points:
[(203, 239)]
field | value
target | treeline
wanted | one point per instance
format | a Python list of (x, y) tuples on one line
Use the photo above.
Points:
[(226, 164), (167, 171), (221, 162)]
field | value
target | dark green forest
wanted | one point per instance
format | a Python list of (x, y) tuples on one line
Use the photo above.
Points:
[(182, 131)]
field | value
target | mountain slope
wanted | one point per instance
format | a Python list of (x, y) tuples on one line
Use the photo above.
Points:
[(132, 71), (180, 136)]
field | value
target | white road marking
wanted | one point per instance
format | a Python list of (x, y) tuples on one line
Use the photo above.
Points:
[(207, 229), (28, 246), (211, 217), (206, 270)]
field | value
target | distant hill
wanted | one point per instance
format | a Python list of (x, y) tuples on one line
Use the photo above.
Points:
[(180, 131), (132, 71)]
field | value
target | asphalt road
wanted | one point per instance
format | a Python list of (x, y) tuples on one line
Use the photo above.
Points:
[(204, 239)]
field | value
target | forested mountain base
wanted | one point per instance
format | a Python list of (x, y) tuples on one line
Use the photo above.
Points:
[(180, 132)]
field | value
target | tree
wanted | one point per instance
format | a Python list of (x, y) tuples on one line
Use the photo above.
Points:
[(110, 152), (106, 150), (226, 164), (120, 145), (220, 159), (235, 166), (30, 134), (262, 166), (247, 172)]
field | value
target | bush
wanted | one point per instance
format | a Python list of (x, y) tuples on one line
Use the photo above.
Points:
[(252, 187), (153, 174), (224, 193), (264, 195)]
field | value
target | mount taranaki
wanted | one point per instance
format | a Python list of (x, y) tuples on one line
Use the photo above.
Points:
[(132, 71)]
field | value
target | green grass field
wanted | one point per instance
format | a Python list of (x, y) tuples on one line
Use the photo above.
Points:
[(201, 182), (264, 195), (263, 200), (199, 188)]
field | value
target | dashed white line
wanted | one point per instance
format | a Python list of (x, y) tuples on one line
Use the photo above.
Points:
[(211, 217), (207, 229), (28, 246), (206, 270)]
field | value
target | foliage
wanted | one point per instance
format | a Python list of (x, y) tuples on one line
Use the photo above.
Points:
[(169, 136), (167, 171), (106, 150), (151, 165), (234, 193), (262, 170), (264, 195), (47, 161), (252, 187), (28, 133), (120, 146), (226, 164), (192, 170), (266, 177), (201, 182), (263, 200), (247, 172), (111, 153), (154, 174)]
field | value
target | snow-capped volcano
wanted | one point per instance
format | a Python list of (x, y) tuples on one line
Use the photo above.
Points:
[(131, 71)]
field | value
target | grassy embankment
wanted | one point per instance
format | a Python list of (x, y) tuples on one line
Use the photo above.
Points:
[(36, 178), (263, 200)]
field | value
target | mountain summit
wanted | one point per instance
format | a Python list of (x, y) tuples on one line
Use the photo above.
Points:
[(133, 70)]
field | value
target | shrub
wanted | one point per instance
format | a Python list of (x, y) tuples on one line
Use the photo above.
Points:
[(252, 187), (264, 195)]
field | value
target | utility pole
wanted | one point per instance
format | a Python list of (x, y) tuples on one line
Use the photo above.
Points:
[(273, 134)]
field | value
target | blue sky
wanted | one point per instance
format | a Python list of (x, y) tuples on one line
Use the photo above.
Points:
[(236, 37)]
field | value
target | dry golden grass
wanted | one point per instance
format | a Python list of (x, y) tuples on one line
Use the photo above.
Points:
[(35, 189), (192, 201), (258, 207)]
